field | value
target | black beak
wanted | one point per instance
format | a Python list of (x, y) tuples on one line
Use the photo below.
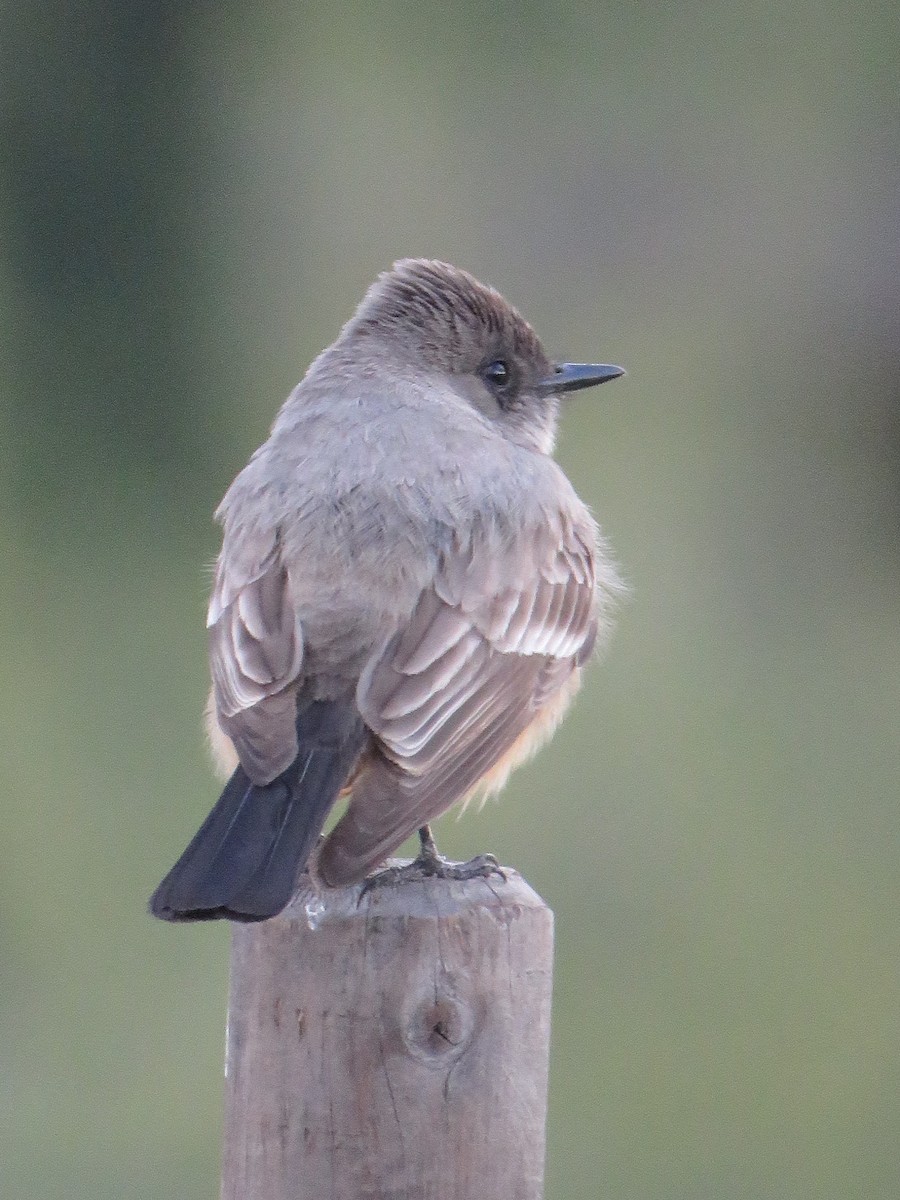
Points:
[(569, 377)]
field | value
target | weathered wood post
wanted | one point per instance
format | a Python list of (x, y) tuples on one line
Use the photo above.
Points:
[(397, 1049)]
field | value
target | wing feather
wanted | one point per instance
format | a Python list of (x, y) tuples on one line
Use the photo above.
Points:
[(256, 653)]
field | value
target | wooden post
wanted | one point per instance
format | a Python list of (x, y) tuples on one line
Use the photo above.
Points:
[(396, 1050)]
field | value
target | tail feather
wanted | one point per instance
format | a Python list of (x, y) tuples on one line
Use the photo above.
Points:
[(244, 860)]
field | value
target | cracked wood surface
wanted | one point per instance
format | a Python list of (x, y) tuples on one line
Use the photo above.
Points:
[(397, 1050)]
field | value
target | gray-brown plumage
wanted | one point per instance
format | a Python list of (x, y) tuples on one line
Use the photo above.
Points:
[(407, 590)]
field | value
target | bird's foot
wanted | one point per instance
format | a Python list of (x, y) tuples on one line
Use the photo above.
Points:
[(431, 865)]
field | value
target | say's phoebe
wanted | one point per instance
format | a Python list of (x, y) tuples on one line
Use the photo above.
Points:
[(407, 590)]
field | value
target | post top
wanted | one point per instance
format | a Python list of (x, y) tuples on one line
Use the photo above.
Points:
[(427, 899)]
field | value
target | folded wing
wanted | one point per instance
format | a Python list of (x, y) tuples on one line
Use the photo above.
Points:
[(256, 653), (490, 646)]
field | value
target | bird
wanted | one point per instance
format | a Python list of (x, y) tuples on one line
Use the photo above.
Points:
[(407, 593)]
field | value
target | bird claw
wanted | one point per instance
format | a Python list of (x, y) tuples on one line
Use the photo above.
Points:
[(434, 866)]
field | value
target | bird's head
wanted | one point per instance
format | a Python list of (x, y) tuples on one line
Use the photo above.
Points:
[(439, 322)]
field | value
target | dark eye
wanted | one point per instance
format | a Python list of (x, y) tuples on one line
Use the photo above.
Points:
[(497, 373)]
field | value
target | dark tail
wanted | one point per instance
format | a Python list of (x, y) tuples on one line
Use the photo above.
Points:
[(244, 860)]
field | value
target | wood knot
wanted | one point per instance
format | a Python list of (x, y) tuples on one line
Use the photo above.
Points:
[(439, 1029)]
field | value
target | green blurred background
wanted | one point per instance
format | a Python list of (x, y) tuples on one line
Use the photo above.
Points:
[(193, 199)]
